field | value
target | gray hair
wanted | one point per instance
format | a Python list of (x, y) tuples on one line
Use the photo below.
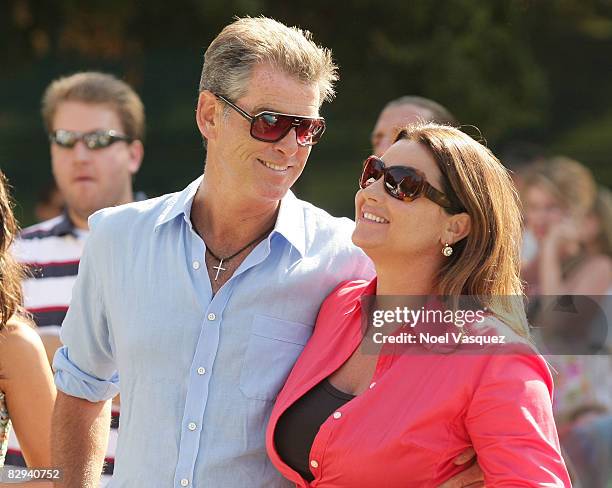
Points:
[(230, 58)]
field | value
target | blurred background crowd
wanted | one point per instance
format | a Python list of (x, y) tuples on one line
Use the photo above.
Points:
[(531, 80)]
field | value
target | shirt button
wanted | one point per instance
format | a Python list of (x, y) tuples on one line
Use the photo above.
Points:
[(211, 316), (192, 426), (372, 385), (184, 482), (314, 464), (337, 415), (201, 370), (196, 265)]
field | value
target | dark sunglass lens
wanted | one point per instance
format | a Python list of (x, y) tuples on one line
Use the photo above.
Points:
[(309, 131), (372, 171), (65, 138), (97, 140), (403, 183), (270, 126)]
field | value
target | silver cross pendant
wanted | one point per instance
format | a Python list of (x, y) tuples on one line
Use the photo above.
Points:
[(219, 269)]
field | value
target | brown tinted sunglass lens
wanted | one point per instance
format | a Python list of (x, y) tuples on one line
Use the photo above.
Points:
[(309, 131), (403, 182), (372, 171), (270, 126)]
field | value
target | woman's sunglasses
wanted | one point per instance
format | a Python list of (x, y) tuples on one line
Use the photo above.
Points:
[(401, 182), (93, 140), (273, 126)]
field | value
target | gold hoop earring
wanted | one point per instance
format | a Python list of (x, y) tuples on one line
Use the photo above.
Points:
[(447, 250)]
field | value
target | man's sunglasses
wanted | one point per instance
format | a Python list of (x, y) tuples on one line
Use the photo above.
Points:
[(270, 126), (93, 140), (401, 182)]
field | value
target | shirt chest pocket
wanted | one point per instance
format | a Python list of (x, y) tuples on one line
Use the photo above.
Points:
[(272, 350)]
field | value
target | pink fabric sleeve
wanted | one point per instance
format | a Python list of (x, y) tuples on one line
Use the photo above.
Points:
[(511, 424)]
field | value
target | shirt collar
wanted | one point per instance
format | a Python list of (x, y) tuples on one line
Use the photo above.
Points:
[(64, 227), (289, 223), (367, 289), (180, 204)]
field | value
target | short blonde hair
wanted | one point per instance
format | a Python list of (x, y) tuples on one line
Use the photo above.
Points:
[(231, 56), (96, 88)]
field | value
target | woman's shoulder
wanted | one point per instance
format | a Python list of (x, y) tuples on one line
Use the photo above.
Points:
[(493, 326), (20, 345), (510, 353), (18, 332)]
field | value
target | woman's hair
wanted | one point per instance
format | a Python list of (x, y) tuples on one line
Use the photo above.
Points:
[(485, 264), (10, 271), (602, 210), (569, 182)]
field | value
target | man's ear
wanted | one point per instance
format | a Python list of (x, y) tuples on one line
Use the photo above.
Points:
[(206, 114), (457, 227), (136, 150)]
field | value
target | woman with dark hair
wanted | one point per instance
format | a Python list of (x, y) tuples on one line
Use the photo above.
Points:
[(27, 392), (439, 217)]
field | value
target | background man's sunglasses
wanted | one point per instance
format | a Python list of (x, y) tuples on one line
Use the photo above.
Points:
[(401, 182), (273, 126), (93, 140)]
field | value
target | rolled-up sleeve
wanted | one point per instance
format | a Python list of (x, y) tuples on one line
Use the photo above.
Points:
[(511, 424), (85, 367)]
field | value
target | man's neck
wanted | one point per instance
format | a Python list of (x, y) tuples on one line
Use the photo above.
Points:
[(78, 220), (225, 223)]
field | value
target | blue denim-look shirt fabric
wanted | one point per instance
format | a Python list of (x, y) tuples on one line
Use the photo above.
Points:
[(199, 373)]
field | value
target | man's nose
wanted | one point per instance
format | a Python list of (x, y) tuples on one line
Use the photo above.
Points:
[(81, 152), (288, 145)]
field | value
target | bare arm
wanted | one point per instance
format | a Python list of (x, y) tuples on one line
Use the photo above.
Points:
[(79, 439), (30, 392)]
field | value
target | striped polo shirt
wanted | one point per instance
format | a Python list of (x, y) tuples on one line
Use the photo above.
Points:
[(52, 251)]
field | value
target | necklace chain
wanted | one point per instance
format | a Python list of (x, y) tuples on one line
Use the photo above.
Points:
[(227, 258)]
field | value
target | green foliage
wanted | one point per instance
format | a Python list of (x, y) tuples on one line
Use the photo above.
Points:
[(534, 71)]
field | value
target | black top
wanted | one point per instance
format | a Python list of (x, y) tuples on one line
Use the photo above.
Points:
[(299, 424)]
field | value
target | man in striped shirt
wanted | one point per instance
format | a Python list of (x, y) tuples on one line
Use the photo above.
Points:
[(96, 127)]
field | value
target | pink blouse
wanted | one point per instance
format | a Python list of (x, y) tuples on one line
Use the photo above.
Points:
[(423, 410)]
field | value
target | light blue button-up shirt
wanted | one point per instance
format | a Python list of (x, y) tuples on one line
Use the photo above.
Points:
[(199, 373)]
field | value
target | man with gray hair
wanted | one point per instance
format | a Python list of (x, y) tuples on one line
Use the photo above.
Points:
[(202, 300), (404, 111)]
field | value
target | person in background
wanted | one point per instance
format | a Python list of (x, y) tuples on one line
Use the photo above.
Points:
[(50, 202), (571, 219), (96, 126), (353, 414), (27, 392), (404, 111), (558, 195)]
